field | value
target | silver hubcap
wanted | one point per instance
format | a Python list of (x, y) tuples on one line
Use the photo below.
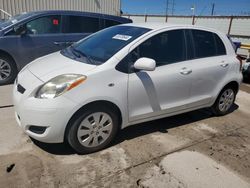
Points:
[(95, 129), (5, 69), (226, 100)]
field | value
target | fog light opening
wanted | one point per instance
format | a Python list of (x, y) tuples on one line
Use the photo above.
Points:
[(37, 129)]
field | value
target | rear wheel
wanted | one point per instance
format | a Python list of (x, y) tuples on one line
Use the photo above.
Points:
[(93, 130), (224, 102), (8, 70)]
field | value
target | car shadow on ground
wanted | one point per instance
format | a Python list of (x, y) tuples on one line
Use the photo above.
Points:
[(134, 131)]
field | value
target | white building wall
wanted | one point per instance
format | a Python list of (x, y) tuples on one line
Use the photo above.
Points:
[(240, 26), (137, 19), (221, 24), (180, 20), (156, 19)]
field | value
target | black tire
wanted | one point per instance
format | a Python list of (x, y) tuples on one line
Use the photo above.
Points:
[(13, 70), (71, 134), (216, 107)]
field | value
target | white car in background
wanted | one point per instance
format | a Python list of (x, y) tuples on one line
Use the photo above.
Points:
[(122, 76)]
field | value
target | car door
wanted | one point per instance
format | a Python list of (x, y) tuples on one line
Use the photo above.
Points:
[(209, 65), (43, 36), (166, 89), (78, 27)]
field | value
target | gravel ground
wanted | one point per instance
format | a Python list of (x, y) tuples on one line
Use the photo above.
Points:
[(189, 150)]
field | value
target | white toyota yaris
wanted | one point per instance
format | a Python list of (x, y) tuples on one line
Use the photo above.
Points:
[(122, 76)]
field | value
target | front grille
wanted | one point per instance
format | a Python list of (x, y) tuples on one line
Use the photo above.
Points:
[(20, 89)]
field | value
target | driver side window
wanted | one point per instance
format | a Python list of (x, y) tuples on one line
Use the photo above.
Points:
[(44, 25), (165, 48)]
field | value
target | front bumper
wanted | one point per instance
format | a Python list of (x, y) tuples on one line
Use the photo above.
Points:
[(52, 114)]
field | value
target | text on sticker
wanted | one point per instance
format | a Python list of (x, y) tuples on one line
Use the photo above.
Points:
[(122, 37)]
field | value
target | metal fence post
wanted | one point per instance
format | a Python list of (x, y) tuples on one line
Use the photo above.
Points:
[(230, 25), (193, 20)]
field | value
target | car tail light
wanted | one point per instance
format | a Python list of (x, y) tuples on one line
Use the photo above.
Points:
[(240, 61)]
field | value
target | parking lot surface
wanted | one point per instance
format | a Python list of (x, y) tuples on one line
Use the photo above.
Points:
[(193, 150)]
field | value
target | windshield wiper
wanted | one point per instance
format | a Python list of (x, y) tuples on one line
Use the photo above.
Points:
[(80, 54)]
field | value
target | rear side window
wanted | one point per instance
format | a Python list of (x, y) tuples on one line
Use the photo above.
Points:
[(220, 47), (81, 24), (164, 48), (44, 25), (204, 44)]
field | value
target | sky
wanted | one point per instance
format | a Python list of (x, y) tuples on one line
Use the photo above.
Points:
[(183, 7)]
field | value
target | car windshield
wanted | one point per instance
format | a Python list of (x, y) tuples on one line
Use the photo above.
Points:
[(14, 20), (101, 46)]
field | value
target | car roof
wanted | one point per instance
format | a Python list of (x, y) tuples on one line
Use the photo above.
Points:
[(159, 26), (82, 13)]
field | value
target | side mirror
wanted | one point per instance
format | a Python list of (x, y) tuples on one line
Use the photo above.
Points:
[(20, 30), (145, 63)]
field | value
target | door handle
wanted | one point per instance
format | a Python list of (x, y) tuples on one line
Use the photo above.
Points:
[(224, 65), (185, 71)]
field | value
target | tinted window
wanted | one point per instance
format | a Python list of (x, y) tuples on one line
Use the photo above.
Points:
[(103, 45), (204, 43), (109, 23), (220, 50), (82, 24), (44, 25), (164, 48)]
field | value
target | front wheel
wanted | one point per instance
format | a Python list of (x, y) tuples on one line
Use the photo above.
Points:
[(224, 102), (93, 130), (8, 70)]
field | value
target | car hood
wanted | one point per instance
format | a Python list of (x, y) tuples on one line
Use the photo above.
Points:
[(55, 64)]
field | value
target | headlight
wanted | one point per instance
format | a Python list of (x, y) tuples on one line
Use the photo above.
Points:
[(59, 85)]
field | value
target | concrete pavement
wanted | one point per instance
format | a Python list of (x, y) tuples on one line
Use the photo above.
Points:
[(190, 150)]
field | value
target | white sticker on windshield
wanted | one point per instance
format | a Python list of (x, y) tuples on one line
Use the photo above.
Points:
[(122, 37)]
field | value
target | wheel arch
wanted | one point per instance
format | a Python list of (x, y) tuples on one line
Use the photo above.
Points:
[(6, 54), (234, 84), (90, 105)]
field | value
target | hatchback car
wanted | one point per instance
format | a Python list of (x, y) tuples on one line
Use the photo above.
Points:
[(28, 36), (122, 76)]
